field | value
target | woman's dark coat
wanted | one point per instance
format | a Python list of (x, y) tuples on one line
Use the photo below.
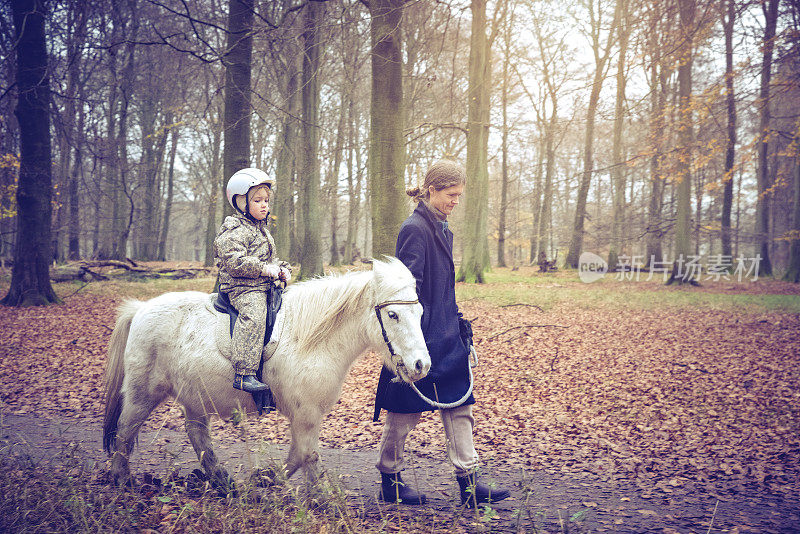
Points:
[(426, 248)]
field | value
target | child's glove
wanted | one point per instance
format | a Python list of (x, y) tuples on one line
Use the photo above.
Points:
[(270, 271), (285, 275)]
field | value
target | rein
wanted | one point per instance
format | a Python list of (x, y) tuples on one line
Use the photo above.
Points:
[(439, 405)]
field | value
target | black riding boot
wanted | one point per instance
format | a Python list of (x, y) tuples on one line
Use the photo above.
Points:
[(476, 492), (249, 383), (393, 489)]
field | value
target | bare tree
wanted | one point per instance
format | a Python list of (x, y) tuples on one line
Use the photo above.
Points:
[(501, 219), (476, 249), (124, 208), (74, 120), (791, 63), (728, 15), (354, 59), (793, 270), (30, 277), (551, 55), (683, 243), (601, 54), (386, 145), (618, 166), (658, 28), (238, 66), (311, 254), (286, 57), (164, 231), (763, 176)]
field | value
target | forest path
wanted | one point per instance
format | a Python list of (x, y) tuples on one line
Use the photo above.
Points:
[(541, 501)]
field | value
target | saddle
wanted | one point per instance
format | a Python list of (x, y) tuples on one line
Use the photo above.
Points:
[(263, 399)]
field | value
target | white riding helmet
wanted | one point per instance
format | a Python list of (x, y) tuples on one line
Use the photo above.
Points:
[(241, 182)]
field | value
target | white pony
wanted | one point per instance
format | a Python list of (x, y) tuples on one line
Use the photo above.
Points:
[(177, 345)]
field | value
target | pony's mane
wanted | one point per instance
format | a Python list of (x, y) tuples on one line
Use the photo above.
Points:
[(320, 305)]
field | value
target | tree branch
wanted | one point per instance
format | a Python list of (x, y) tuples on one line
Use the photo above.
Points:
[(507, 330)]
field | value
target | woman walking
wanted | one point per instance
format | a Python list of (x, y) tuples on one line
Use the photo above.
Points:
[(425, 246)]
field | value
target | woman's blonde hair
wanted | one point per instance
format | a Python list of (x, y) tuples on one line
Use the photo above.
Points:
[(441, 175)]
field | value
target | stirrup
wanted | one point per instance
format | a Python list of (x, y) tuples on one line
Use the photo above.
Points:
[(249, 383)]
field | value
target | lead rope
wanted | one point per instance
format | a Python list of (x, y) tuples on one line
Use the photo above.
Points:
[(473, 360), (447, 405)]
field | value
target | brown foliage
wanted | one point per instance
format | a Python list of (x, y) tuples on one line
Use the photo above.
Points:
[(662, 398)]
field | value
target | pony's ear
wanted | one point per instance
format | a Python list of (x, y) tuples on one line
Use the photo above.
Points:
[(377, 268), (390, 268), (383, 263), (383, 269)]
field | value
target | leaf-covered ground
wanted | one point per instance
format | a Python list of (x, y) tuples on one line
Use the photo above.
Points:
[(671, 398)]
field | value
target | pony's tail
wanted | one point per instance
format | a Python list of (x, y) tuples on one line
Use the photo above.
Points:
[(115, 371)]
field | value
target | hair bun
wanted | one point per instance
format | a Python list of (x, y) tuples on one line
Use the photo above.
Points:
[(413, 192)]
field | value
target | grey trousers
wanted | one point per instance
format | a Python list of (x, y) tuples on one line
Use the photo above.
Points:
[(458, 424), (248, 332)]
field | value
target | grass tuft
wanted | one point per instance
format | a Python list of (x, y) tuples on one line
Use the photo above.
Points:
[(66, 494)]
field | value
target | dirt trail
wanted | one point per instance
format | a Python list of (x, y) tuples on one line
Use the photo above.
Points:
[(583, 504)]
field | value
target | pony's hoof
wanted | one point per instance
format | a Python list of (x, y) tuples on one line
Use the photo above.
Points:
[(221, 481), (265, 478), (123, 480)]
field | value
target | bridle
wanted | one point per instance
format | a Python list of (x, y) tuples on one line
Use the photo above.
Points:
[(473, 357), (383, 329)]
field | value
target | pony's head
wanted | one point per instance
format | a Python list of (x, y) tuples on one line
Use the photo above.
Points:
[(380, 306), (399, 317)]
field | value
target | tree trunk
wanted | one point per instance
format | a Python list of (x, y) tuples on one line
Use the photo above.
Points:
[(386, 140), (353, 189), (536, 199), (237, 61), (545, 218), (730, 144), (124, 208), (793, 272), (501, 223), (366, 247), (763, 177), (215, 196), (154, 150), (96, 239), (333, 180), (618, 170), (109, 196), (654, 230), (162, 241), (698, 209), (145, 241), (311, 254), (683, 240), (74, 121), (73, 235), (600, 58), (61, 178), (476, 245), (124, 205), (542, 216), (58, 218), (30, 277), (576, 241), (286, 163)]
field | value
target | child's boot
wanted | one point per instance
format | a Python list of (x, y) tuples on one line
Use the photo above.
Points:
[(249, 383)]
